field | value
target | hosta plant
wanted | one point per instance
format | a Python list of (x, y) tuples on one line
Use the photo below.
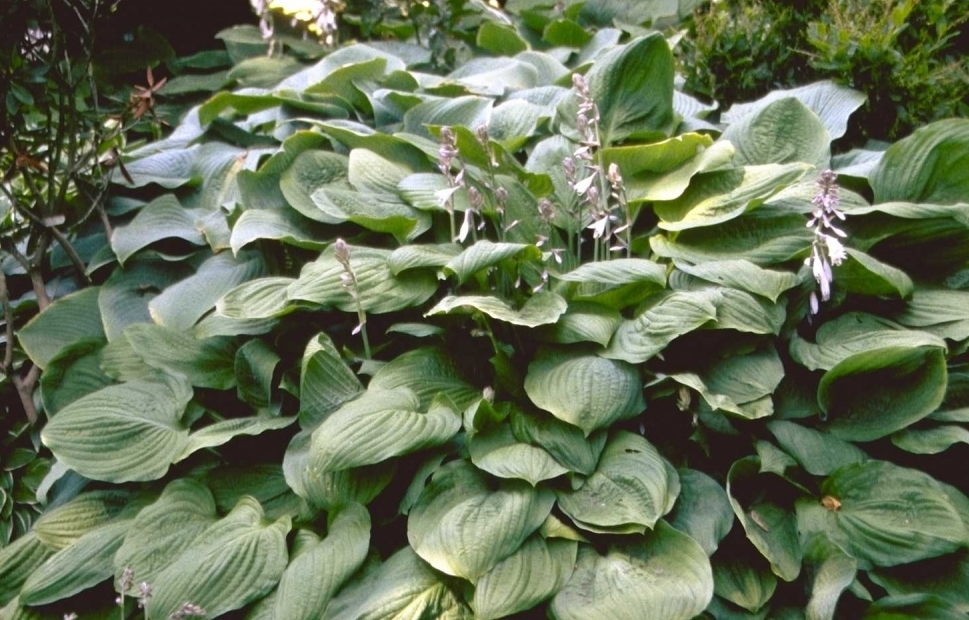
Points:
[(529, 339)]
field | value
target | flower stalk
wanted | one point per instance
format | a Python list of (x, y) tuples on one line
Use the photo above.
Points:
[(348, 280), (826, 248)]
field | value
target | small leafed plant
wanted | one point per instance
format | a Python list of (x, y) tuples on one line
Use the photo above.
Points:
[(531, 338)]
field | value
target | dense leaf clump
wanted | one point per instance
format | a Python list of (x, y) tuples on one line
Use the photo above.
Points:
[(533, 337)]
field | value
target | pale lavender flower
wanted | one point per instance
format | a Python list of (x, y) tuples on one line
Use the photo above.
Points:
[(826, 249)]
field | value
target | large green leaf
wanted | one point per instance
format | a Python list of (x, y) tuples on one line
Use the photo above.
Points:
[(663, 575), (631, 488), (321, 567), (931, 440), (498, 452), (255, 369), (744, 275), (702, 510), (176, 519), (379, 425), (873, 394), (584, 390), (428, 372), (938, 311), (277, 224), (18, 561), (264, 298), (533, 573), (946, 576), (206, 363), (888, 515), (913, 607), (633, 88), (585, 322), (853, 333), (833, 572), (123, 432), (832, 103), (463, 526), (741, 576), (162, 218), (927, 166), (717, 197), (63, 525), (616, 283), (542, 308), (485, 254), (403, 587), (663, 318), (379, 291), (77, 567), (783, 131), (238, 559), (69, 319), (326, 382), (819, 453), (740, 383), (307, 173), (125, 296), (224, 431), (770, 524), (71, 374), (566, 442)]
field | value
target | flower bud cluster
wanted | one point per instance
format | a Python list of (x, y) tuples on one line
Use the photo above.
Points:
[(826, 248)]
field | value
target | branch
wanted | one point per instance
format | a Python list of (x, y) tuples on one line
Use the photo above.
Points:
[(25, 385)]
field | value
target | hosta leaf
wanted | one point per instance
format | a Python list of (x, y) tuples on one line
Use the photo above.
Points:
[(542, 308), (764, 236), (913, 607), (584, 390), (377, 212), (424, 191), (930, 440), (768, 522), (616, 283), (890, 515), (402, 588), (266, 483), (257, 299), (632, 487), (866, 275), (162, 218), (182, 304), (308, 172), (717, 197), (633, 88), (63, 525), (427, 372), (498, 452), (665, 317), (743, 577), (69, 319), (873, 394), (819, 453), (176, 519), (670, 185), (323, 566), (926, 166), (330, 490), (485, 254), (853, 333), (325, 383), (740, 384), (239, 559), (656, 157), (833, 572), (75, 568), (255, 367), (469, 111), (744, 275), (585, 322), (125, 296), (18, 561), (832, 103), (500, 39), (379, 425), (702, 510), (533, 573), (416, 256), (168, 168), (781, 132), (379, 291), (83, 360), (564, 441), (663, 575), (220, 433), (939, 311), (122, 432), (206, 363), (946, 576), (463, 527), (277, 224)]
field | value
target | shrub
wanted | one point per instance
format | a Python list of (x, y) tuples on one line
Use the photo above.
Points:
[(903, 54)]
